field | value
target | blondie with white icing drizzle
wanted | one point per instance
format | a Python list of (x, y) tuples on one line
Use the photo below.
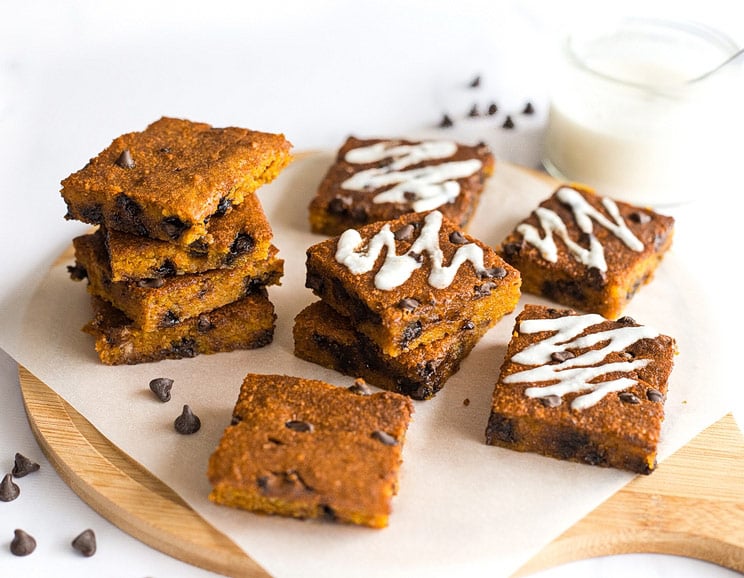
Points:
[(582, 388), (412, 281), (586, 251), (381, 179)]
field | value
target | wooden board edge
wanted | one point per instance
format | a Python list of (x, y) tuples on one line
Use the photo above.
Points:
[(122, 490), (702, 519)]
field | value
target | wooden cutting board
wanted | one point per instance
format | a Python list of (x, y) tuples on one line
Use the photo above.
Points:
[(692, 505)]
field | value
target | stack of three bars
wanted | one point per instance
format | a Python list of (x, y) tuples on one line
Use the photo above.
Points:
[(182, 256)]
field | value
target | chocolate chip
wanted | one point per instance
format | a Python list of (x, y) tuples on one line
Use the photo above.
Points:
[(639, 217), (85, 543), (410, 196), (187, 423), (404, 233), (528, 108), (125, 160), (222, 207), (628, 397), (475, 83), (299, 426), (596, 278), (169, 319), (22, 544), (494, 273), (654, 395), (384, 437), (161, 387), (173, 227), (627, 320), (360, 387), (408, 304), (242, 244), (508, 123), (167, 269), (466, 402), (23, 466), (551, 400), (418, 257), (198, 247), (203, 323), (467, 325), (9, 490), (492, 109), (457, 238), (77, 273), (511, 249), (165, 150), (337, 206), (484, 290), (446, 121), (474, 112), (153, 283), (561, 356)]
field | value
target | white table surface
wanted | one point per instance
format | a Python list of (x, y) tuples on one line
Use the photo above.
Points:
[(74, 75)]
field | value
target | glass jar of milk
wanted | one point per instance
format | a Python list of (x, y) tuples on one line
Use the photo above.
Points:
[(628, 118)]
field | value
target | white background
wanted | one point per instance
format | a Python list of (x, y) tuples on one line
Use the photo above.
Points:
[(74, 75)]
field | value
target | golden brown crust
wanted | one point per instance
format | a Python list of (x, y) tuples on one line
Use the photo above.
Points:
[(621, 430), (167, 181), (571, 283), (335, 209), (383, 315), (243, 232), (324, 337), (165, 302), (244, 324), (304, 448)]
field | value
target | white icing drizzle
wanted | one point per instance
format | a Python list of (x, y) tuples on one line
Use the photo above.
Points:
[(397, 269), (583, 212), (424, 188), (576, 374)]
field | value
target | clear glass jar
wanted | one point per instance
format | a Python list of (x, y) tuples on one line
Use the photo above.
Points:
[(626, 119)]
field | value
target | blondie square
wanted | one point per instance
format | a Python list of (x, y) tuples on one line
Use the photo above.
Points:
[(241, 233), (158, 303), (411, 281), (586, 251), (582, 388), (307, 449), (244, 324), (169, 180), (324, 337), (380, 180)]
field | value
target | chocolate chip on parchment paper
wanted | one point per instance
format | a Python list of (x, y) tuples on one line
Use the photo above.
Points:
[(85, 543), (187, 423), (9, 490), (161, 387), (23, 466), (22, 544)]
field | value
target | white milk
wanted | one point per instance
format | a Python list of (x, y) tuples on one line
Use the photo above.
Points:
[(624, 120)]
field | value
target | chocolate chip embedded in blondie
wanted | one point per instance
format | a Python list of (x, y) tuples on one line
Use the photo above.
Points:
[(580, 387), (159, 303), (380, 180), (411, 281), (586, 251), (169, 180), (247, 323), (307, 449)]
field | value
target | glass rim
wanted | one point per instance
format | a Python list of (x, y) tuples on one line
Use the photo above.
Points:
[(712, 36)]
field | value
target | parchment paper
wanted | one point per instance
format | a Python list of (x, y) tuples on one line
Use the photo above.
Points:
[(462, 506)]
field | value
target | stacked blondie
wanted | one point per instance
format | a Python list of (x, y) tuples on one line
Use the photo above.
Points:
[(402, 302), (182, 255)]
